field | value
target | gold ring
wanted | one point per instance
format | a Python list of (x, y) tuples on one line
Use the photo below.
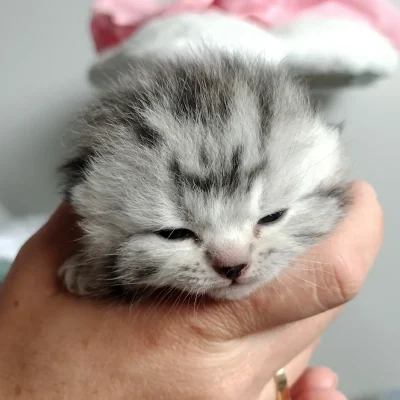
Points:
[(282, 387)]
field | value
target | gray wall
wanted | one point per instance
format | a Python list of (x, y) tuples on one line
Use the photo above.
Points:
[(363, 345), (46, 52)]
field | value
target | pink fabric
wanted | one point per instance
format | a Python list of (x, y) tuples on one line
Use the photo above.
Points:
[(115, 20)]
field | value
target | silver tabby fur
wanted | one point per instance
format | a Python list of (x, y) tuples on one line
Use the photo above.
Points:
[(211, 144)]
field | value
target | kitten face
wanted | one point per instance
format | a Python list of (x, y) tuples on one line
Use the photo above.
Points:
[(207, 176)]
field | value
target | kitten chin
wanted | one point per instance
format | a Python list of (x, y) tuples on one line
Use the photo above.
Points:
[(235, 291), (206, 175)]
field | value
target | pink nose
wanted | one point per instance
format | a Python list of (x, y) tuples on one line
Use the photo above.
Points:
[(231, 263), (229, 258)]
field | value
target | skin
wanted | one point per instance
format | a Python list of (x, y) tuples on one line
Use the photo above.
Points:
[(55, 345)]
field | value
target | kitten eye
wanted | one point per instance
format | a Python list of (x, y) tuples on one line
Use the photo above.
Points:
[(177, 234), (269, 219)]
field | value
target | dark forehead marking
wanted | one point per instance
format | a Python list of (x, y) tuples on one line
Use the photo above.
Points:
[(203, 156), (261, 83), (231, 176), (146, 135), (228, 177), (126, 110), (225, 176), (233, 65), (177, 190), (201, 95), (176, 172), (265, 106), (187, 180), (204, 184), (73, 171)]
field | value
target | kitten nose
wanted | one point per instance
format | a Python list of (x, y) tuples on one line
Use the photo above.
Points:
[(231, 272)]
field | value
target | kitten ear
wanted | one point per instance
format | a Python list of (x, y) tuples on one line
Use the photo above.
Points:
[(73, 171), (339, 127), (108, 69)]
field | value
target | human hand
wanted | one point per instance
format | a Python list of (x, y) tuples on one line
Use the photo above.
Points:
[(53, 344), (317, 383)]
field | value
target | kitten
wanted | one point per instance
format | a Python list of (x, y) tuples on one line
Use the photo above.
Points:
[(206, 174)]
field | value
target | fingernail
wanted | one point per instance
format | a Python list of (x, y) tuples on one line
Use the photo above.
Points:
[(373, 191), (329, 382), (335, 381), (365, 188), (370, 189), (333, 384)]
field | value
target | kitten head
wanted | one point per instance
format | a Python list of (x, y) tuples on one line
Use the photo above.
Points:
[(209, 176)]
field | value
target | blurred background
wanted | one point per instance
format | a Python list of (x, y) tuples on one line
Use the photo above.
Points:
[(46, 53)]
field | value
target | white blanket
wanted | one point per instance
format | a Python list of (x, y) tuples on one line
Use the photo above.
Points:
[(344, 51)]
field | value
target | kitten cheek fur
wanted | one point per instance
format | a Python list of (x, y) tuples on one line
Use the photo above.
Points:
[(210, 144)]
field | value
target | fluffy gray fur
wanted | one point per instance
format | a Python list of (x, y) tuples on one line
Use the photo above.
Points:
[(212, 145)]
